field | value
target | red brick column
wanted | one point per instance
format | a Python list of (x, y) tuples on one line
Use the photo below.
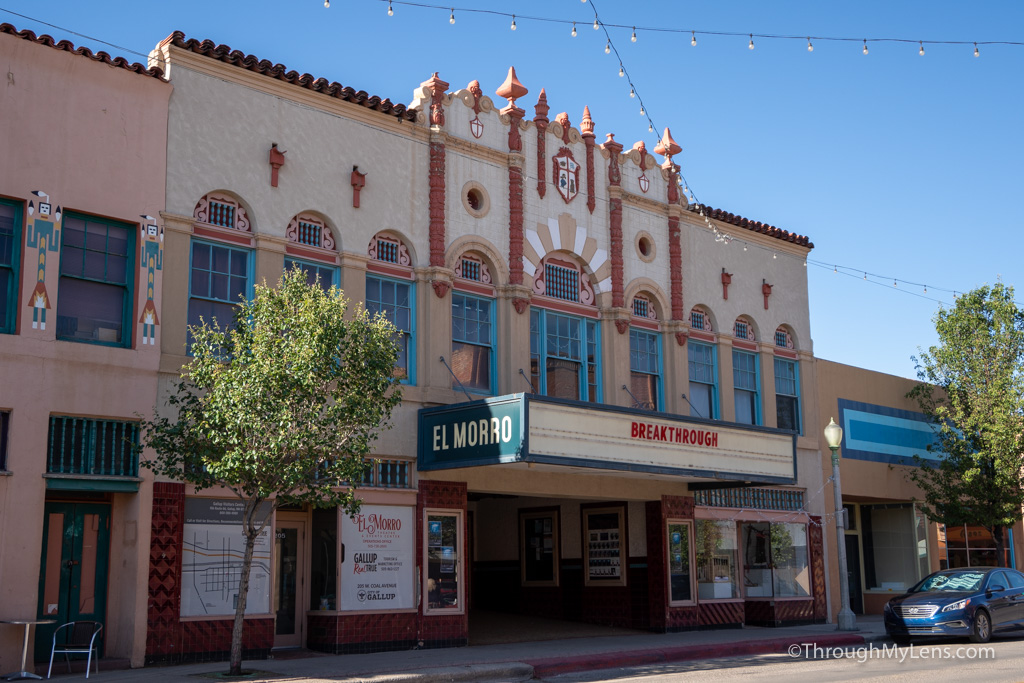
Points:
[(444, 630), (163, 628)]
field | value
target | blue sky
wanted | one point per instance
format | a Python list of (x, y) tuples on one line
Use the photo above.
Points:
[(894, 164)]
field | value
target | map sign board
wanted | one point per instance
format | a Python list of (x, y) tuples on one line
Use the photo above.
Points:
[(211, 564), (378, 571)]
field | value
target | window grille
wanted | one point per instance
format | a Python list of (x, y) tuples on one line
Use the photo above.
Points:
[(222, 214), (562, 283), (471, 269), (751, 499), (92, 447), (387, 251), (388, 474), (783, 339), (742, 330), (697, 320), (640, 307), (310, 234)]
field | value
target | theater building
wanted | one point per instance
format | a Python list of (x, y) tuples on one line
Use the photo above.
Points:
[(81, 258), (608, 415)]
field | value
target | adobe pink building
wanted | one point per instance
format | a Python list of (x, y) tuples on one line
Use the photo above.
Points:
[(84, 139)]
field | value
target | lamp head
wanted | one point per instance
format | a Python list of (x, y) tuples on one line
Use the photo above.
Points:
[(833, 434)]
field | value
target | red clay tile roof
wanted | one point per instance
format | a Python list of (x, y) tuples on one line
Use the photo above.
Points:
[(753, 226), (262, 66), (68, 46)]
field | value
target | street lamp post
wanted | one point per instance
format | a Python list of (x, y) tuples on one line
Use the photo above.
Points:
[(847, 620)]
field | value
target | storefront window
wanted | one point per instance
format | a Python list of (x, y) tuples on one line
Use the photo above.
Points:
[(680, 579), (716, 560), (539, 550), (895, 547), (775, 560), (443, 550), (970, 546), (323, 575), (605, 536)]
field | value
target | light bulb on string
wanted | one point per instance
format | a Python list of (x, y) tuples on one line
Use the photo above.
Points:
[(573, 34), (391, 12), (775, 256), (835, 269), (642, 112), (632, 93), (750, 46), (608, 48), (622, 71), (327, 4), (650, 127), (632, 38), (744, 247), (926, 289), (894, 283), (596, 25), (513, 26), (810, 48), (451, 19), (976, 53), (920, 50), (693, 39), (865, 50), (865, 276)]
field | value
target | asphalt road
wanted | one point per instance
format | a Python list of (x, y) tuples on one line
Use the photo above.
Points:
[(932, 662)]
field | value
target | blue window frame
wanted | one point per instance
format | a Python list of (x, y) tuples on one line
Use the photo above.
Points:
[(787, 394), (473, 356), (565, 355), (219, 277), (396, 300), (10, 263), (703, 397), (328, 275), (645, 368), (745, 387), (97, 277)]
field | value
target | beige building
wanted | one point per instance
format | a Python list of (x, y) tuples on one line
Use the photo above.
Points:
[(84, 140)]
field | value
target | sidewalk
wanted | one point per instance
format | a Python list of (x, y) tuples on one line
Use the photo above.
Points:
[(517, 661)]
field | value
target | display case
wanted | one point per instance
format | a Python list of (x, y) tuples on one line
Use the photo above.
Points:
[(604, 545)]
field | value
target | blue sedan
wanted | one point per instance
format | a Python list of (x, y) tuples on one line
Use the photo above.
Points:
[(973, 602)]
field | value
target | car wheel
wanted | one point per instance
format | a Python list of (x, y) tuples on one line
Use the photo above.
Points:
[(982, 632)]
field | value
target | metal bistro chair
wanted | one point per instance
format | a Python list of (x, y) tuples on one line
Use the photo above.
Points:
[(79, 639)]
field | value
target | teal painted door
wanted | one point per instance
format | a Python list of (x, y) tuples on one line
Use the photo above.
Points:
[(73, 569)]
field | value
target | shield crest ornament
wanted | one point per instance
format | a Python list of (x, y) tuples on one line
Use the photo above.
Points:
[(567, 174), (476, 127), (645, 184)]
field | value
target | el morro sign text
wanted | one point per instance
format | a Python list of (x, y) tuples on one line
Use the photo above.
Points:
[(670, 434), (482, 432)]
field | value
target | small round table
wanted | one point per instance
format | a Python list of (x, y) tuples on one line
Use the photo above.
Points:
[(28, 624)]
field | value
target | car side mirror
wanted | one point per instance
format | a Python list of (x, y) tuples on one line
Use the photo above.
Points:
[(995, 589)]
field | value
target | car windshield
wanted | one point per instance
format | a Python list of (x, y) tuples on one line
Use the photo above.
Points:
[(957, 581)]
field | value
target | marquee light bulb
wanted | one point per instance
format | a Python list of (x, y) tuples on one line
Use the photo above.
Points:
[(751, 45), (693, 39), (573, 29)]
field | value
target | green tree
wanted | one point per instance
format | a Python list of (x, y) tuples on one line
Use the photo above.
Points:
[(973, 391), (281, 407)]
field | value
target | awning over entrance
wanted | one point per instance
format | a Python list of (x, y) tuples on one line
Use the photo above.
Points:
[(525, 428)]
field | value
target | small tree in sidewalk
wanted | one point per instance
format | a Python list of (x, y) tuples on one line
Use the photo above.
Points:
[(281, 407), (973, 392)]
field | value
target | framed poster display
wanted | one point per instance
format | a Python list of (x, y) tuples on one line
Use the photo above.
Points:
[(605, 551)]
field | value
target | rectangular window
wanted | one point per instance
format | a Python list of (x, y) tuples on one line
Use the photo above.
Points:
[(703, 380), (97, 267), (716, 560), (538, 550), (218, 281), (787, 394), (775, 560), (605, 550), (895, 541), (565, 356), (680, 578), (472, 343), (327, 276), (395, 300), (5, 425), (645, 368), (323, 575), (443, 551), (744, 375), (10, 263), (79, 445)]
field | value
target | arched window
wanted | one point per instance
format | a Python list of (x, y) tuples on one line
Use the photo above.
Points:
[(473, 326), (787, 382), (390, 290), (319, 263)]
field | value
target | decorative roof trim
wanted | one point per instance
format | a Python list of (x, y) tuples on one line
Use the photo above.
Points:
[(225, 54), (753, 226), (68, 46)]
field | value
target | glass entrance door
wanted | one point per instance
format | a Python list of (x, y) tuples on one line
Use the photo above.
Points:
[(73, 569), (289, 579)]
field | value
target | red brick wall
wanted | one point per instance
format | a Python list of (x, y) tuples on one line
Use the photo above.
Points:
[(163, 628)]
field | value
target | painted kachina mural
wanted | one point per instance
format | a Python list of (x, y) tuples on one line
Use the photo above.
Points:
[(44, 235), (152, 260)]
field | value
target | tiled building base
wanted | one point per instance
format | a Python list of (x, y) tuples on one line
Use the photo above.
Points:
[(779, 612), (210, 641)]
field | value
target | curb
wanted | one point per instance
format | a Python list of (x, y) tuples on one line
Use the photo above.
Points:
[(503, 671), (610, 660)]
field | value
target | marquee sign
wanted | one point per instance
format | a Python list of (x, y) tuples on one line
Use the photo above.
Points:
[(528, 428)]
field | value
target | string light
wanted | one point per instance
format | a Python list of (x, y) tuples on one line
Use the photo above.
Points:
[(921, 49), (976, 53), (608, 48), (632, 93), (451, 19), (865, 50), (622, 71), (327, 4), (774, 256), (513, 26), (693, 38), (391, 12), (644, 113), (751, 45), (597, 26), (650, 127), (573, 29), (632, 38), (810, 48)]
